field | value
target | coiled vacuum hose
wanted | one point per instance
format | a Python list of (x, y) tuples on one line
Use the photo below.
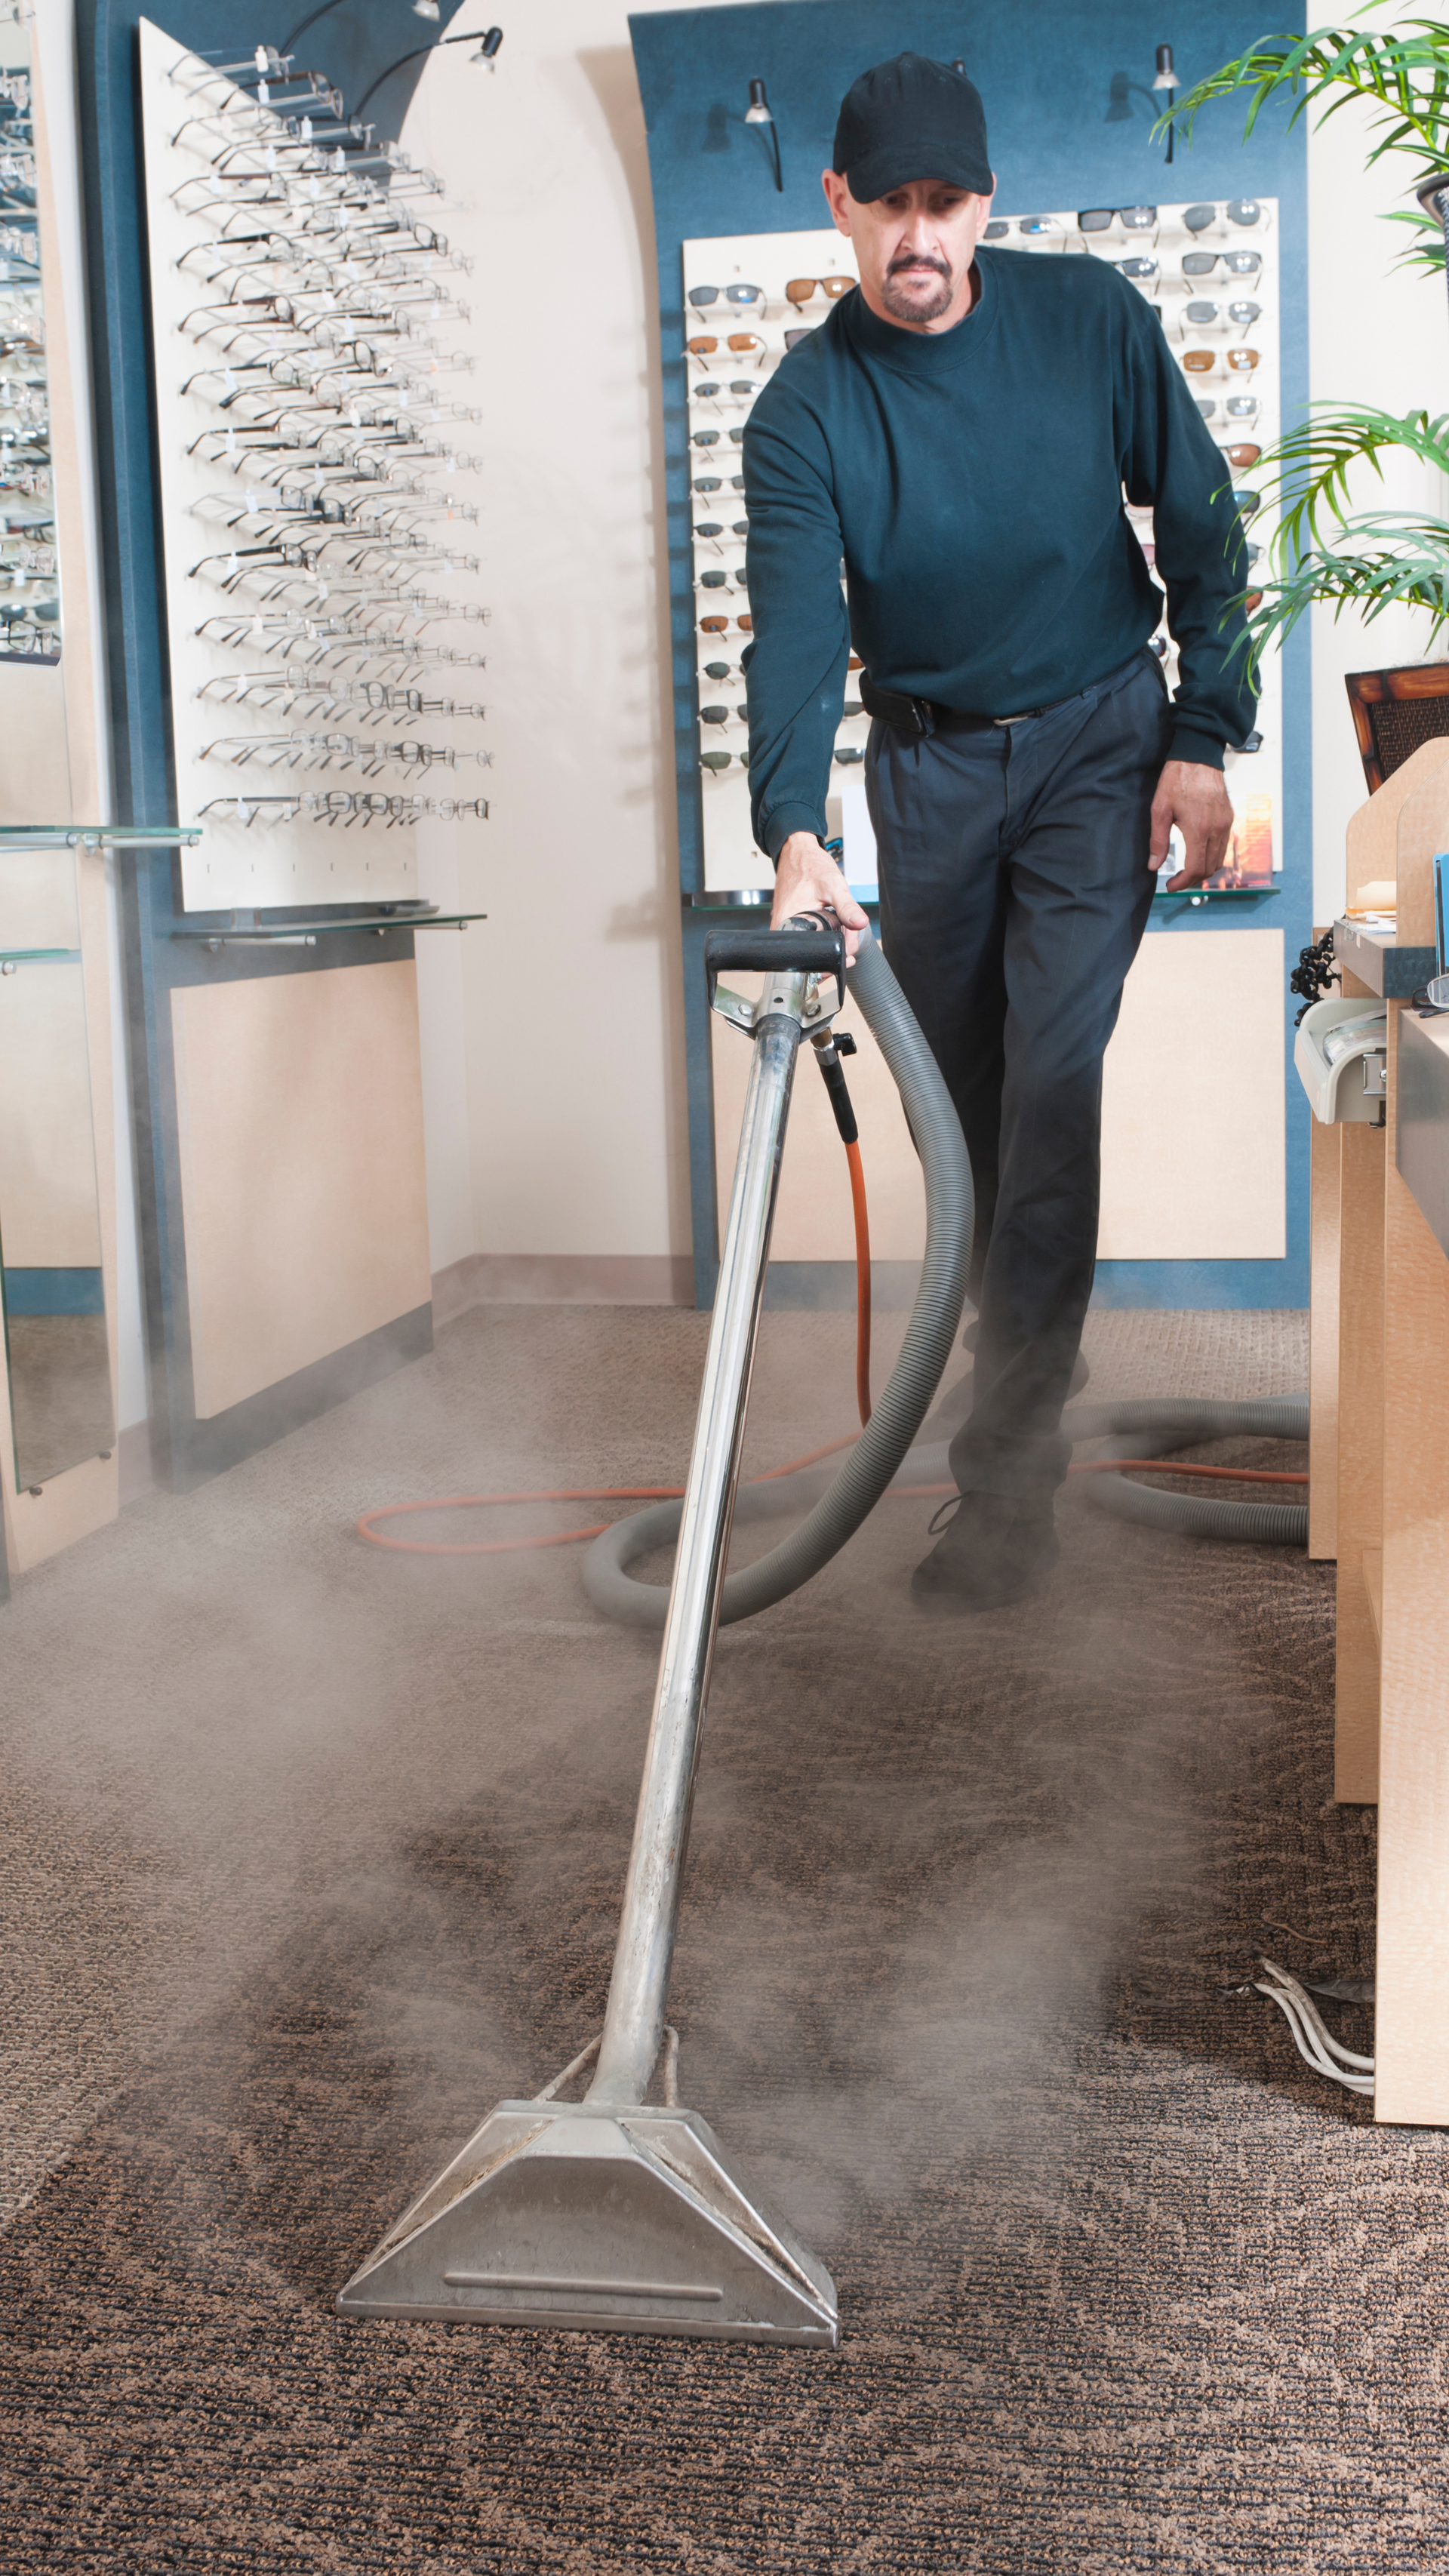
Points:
[(903, 1402), (1155, 1423)]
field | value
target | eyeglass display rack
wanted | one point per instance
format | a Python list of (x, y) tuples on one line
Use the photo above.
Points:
[(29, 577), (1221, 323), (324, 666)]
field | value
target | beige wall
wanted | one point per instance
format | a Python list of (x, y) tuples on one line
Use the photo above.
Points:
[(1376, 335), (555, 1064), (300, 1144)]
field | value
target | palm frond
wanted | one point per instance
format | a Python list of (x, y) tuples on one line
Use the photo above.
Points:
[(1403, 75), (1306, 474), (1410, 571)]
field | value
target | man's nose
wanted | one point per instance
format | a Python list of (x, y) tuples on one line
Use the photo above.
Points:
[(918, 238)]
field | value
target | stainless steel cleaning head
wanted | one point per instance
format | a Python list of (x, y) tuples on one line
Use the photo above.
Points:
[(570, 2214)]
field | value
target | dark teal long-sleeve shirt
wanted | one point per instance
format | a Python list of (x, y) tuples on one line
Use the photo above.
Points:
[(972, 481)]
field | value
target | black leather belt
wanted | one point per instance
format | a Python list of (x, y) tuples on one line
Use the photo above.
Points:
[(922, 716)]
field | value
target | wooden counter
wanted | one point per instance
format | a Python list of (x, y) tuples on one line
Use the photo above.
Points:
[(1379, 1452)]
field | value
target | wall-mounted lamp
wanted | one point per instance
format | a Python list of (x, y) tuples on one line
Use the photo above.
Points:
[(421, 9), (487, 49), (758, 113), (1166, 80)]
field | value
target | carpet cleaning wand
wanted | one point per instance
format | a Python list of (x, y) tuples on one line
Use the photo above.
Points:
[(615, 2212)]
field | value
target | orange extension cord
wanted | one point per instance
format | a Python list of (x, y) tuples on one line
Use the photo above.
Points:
[(671, 1493)]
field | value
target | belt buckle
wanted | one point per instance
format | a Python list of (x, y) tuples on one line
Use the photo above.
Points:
[(924, 721)]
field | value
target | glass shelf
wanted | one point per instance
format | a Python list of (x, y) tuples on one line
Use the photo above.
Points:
[(10, 958), (1217, 894), (305, 934), (97, 836)]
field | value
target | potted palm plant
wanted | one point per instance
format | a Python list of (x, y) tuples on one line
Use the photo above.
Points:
[(1327, 548)]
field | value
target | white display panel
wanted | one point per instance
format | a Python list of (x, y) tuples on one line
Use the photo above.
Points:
[(325, 674), (1213, 350)]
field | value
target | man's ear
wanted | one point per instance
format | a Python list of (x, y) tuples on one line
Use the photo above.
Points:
[(836, 194)]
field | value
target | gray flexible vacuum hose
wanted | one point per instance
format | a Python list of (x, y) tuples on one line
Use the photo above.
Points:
[(853, 1491), (1151, 1424)]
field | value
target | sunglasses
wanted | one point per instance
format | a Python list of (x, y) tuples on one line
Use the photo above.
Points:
[(1243, 456), (1241, 361), (742, 342), (849, 756), (1139, 266), (719, 670), (715, 759), (1200, 362), (794, 338), (1241, 406), (1238, 263), (714, 715), (1247, 503), (1036, 225), (1133, 219), (740, 295), (798, 290)]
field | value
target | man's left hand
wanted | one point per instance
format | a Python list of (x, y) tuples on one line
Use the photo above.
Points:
[(1196, 799)]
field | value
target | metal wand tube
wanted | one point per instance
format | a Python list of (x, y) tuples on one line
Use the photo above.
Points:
[(640, 1982)]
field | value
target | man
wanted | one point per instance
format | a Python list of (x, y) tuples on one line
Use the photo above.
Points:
[(960, 431)]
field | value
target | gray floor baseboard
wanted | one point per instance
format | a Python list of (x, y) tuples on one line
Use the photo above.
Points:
[(561, 1279)]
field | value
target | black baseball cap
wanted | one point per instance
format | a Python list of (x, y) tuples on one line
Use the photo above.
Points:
[(911, 119)]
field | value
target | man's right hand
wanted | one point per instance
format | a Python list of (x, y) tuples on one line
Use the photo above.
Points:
[(807, 879)]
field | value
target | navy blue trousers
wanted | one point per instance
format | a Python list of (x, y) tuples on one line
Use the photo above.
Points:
[(1014, 892)]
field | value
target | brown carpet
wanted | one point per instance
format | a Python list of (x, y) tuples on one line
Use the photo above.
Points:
[(1123, 2286)]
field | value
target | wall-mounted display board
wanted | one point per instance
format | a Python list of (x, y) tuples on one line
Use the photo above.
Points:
[(1208, 267), (311, 426)]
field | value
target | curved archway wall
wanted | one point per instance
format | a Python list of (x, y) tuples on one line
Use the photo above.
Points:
[(1058, 138)]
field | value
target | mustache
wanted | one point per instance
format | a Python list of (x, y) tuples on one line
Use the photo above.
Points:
[(918, 259)]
